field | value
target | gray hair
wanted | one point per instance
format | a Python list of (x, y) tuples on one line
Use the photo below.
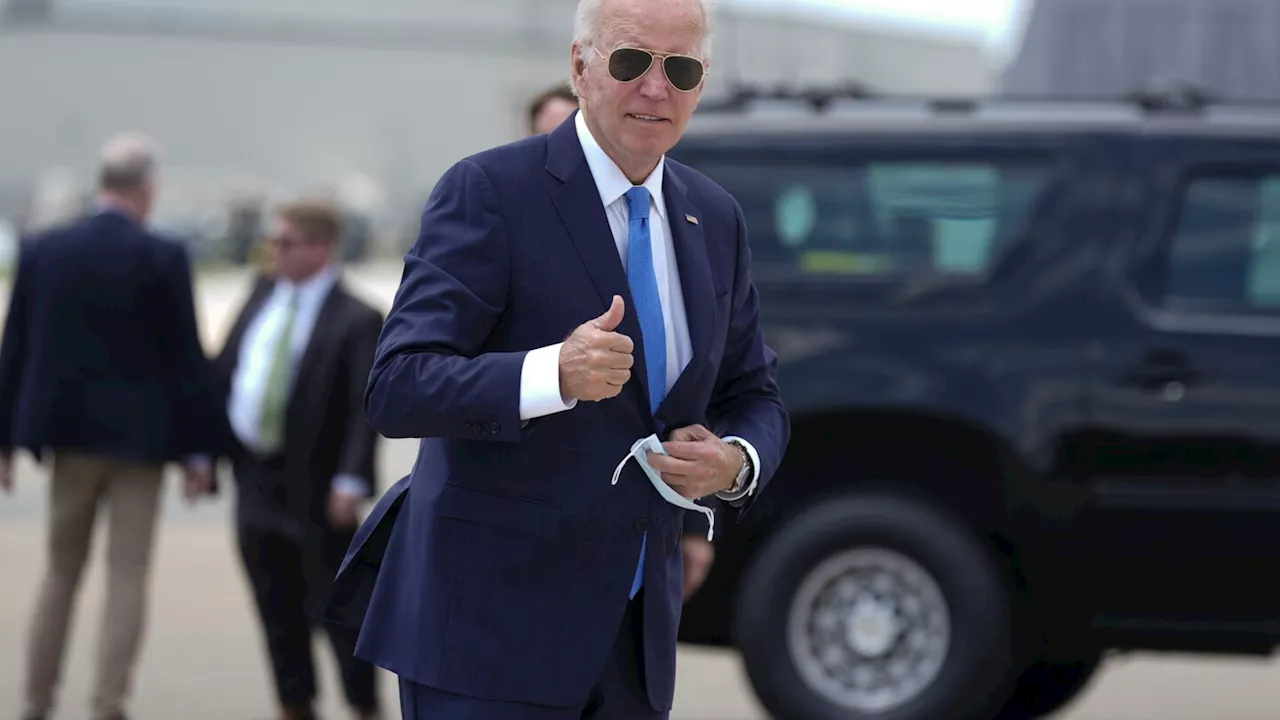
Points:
[(127, 162), (587, 20)]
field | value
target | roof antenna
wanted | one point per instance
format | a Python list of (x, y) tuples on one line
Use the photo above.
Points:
[(1170, 94)]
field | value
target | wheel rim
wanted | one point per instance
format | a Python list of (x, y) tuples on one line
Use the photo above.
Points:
[(868, 629)]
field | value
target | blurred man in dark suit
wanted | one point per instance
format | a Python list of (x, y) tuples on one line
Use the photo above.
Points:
[(295, 367), (102, 364)]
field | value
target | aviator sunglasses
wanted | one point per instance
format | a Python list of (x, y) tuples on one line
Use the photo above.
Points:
[(628, 64)]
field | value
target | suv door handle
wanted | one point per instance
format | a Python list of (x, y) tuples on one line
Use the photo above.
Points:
[(1166, 371)]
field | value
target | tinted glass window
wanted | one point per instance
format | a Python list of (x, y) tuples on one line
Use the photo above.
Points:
[(1225, 249), (883, 217)]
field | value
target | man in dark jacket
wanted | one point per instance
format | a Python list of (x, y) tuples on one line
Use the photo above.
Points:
[(101, 364), (294, 370)]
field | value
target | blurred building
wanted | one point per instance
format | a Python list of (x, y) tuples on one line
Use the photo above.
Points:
[(1097, 48), (252, 98)]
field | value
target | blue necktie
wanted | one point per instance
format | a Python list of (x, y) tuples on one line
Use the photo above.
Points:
[(644, 293)]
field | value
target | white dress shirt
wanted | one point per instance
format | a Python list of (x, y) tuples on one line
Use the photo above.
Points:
[(540, 373), (248, 387)]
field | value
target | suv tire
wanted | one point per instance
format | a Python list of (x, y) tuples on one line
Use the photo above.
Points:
[(908, 567)]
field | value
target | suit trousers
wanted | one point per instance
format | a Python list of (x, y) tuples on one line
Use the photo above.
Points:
[(288, 566), (131, 491), (619, 694)]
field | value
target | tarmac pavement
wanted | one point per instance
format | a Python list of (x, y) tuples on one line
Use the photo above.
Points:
[(203, 656)]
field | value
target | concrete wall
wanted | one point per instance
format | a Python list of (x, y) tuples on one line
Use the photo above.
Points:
[(813, 48), (1108, 48), (253, 96), (256, 115)]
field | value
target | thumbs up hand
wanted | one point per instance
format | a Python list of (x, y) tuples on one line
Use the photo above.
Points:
[(595, 361)]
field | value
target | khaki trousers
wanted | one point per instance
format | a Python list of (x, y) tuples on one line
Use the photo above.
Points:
[(80, 483)]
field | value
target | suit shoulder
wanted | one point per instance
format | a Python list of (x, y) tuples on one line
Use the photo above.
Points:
[(61, 232), (26, 256), (58, 243), (259, 283), (170, 247), (171, 253), (361, 310), (161, 238), (528, 150), (368, 313), (511, 160), (29, 245)]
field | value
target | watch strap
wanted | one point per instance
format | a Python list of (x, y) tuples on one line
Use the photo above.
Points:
[(740, 482)]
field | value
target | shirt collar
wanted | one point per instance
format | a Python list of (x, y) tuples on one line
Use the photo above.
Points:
[(610, 180), (314, 287)]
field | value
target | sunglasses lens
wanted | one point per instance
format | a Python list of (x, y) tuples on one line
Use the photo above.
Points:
[(684, 72), (627, 64)]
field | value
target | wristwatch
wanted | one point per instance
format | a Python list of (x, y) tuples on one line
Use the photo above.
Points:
[(747, 471)]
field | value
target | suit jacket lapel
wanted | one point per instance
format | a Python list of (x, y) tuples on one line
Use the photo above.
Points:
[(695, 275), (230, 355), (325, 323), (578, 203)]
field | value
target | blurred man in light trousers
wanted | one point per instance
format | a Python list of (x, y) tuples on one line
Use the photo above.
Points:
[(102, 365)]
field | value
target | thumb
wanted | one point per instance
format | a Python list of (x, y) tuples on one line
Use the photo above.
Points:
[(612, 317), (683, 435)]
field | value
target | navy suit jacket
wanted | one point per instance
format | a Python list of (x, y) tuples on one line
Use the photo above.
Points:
[(500, 568), (101, 352)]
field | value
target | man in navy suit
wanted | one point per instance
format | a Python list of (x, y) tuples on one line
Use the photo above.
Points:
[(102, 365), (569, 295)]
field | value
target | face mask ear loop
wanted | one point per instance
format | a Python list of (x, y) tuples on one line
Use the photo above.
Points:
[(617, 472), (711, 521)]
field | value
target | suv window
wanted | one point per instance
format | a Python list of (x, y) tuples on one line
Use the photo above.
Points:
[(883, 217), (1225, 250)]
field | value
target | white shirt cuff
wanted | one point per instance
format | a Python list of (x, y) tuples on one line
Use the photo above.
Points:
[(350, 485), (755, 472), (540, 383)]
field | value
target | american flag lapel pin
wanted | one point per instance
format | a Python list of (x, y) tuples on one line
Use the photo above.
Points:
[(691, 219)]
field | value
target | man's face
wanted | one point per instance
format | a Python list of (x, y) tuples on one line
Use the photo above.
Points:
[(296, 255), (637, 122), (553, 112)]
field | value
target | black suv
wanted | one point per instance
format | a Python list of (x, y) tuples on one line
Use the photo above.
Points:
[(1032, 355)]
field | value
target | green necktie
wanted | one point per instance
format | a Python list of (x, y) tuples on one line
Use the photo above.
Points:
[(276, 394)]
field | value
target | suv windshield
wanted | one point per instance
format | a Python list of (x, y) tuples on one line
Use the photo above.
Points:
[(880, 216)]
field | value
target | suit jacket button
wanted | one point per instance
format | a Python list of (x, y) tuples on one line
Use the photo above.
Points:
[(641, 524)]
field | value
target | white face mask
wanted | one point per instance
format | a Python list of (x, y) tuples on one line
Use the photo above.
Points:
[(653, 444)]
